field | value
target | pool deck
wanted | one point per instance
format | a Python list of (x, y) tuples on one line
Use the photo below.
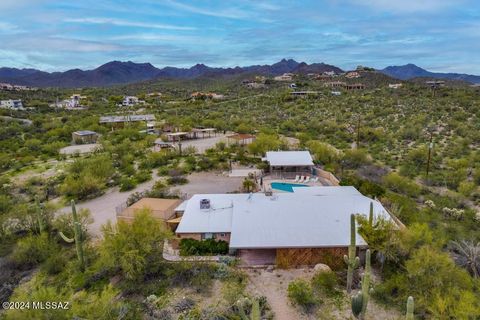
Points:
[(267, 180)]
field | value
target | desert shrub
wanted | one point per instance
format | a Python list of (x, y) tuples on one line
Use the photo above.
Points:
[(33, 250), (87, 177), (301, 293), (401, 184), (324, 152), (371, 189), (143, 176), (233, 290), (189, 247), (54, 264), (127, 184), (136, 247), (354, 158), (326, 283), (175, 180), (441, 289)]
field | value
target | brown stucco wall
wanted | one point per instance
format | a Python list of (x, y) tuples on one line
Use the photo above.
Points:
[(296, 257)]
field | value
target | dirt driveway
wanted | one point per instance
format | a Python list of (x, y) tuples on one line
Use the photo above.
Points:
[(103, 207), (201, 145)]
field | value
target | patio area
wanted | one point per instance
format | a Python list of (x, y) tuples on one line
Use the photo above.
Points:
[(320, 178)]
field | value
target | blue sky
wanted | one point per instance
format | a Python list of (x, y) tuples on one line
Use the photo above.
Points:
[(440, 35)]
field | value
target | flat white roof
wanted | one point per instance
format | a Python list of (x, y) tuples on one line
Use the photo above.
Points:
[(284, 220), (216, 219), (182, 206), (289, 158)]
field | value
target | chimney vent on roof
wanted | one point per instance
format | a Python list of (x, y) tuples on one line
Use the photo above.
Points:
[(205, 204)]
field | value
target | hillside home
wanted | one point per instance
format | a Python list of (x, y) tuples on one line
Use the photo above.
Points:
[(12, 104), (284, 77), (129, 118), (435, 83), (14, 87), (206, 95), (303, 93), (395, 85), (288, 164), (305, 227), (354, 86), (335, 84), (129, 101), (352, 75), (84, 137)]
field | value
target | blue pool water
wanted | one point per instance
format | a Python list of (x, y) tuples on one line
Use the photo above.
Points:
[(288, 187)]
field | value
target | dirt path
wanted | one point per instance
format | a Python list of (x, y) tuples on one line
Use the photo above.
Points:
[(273, 285)]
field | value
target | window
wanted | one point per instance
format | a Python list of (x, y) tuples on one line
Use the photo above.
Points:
[(207, 236)]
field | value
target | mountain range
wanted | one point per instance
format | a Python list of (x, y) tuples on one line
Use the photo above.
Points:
[(410, 71), (117, 72)]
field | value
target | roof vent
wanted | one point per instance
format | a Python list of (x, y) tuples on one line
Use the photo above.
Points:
[(205, 204), (268, 193)]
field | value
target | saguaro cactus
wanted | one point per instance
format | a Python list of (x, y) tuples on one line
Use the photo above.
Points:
[(78, 239), (360, 300), (351, 260), (255, 313), (39, 212), (410, 308), (370, 215)]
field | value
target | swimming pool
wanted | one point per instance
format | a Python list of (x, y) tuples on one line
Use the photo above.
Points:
[(288, 187)]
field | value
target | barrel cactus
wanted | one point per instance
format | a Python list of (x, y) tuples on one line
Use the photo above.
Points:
[(78, 238), (351, 260)]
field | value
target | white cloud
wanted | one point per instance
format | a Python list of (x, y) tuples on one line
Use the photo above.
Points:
[(8, 28), (126, 23), (409, 6), (214, 12), (153, 37)]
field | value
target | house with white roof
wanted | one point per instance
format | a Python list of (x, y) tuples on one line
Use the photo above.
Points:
[(129, 101), (306, 227), (12, 104), (287, 164)]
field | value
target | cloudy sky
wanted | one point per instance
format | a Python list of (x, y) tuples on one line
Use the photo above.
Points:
[(440, 35)]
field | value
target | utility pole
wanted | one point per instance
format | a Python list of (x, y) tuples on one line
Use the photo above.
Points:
[(430, 147), (358, 132)]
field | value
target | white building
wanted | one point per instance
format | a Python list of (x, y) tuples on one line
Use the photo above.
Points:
[(395, 85), (129, 101), (287, 164), (12, 104), (259, 227), (284, 77)]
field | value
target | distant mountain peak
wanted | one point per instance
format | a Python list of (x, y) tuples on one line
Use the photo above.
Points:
[(410, 71)]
